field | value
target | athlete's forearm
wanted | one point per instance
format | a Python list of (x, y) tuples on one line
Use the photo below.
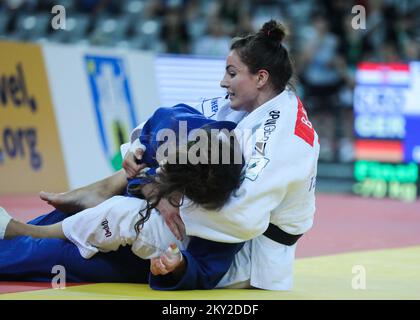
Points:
[(110, 186)]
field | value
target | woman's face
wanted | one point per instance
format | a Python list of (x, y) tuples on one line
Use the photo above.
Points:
[(240, 84)]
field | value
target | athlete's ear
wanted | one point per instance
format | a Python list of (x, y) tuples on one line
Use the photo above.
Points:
[(262, 78)]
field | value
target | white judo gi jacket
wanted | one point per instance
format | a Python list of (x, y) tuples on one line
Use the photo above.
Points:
[(281, 150), (281, 159)]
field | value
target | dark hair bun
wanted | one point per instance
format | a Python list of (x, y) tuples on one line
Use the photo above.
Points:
[(273, 32)]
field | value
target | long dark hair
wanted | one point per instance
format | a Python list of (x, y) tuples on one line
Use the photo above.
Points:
[(206, 183), (264, 50)]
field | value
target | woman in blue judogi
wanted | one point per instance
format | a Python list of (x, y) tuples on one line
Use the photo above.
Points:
[(32, 259)]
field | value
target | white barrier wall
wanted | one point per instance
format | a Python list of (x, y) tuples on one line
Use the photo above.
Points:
[(99, 97)]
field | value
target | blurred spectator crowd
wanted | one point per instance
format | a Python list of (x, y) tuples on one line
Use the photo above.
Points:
[(324, 45)]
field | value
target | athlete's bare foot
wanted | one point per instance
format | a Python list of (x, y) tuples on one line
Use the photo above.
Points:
[(72, 201), (65, 202), (88, 196)]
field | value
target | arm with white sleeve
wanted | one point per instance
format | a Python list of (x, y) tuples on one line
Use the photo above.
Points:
[(205, 263), (134, 143), (104, 228)]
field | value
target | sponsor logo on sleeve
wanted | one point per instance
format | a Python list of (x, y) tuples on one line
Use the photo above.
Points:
[(255, 166), (264, 133), (260, 147), (209, 107), (105, 226)]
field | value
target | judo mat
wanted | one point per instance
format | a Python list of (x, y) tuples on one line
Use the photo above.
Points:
[(357, 249)]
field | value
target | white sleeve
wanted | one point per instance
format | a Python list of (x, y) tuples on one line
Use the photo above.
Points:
[(135, 134), (105, 227), (219, 109), (134, 141)]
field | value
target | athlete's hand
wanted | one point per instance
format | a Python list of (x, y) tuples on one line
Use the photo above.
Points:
[(172, 218), (170, 261), (130, 163)]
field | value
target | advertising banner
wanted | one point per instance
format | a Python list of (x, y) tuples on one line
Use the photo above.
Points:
[(387, 128), (30, 152), (114, 109)]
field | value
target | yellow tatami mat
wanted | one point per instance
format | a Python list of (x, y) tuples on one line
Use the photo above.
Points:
[(387, 274)]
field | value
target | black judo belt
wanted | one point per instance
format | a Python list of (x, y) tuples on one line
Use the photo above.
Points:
[(276, 234)]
